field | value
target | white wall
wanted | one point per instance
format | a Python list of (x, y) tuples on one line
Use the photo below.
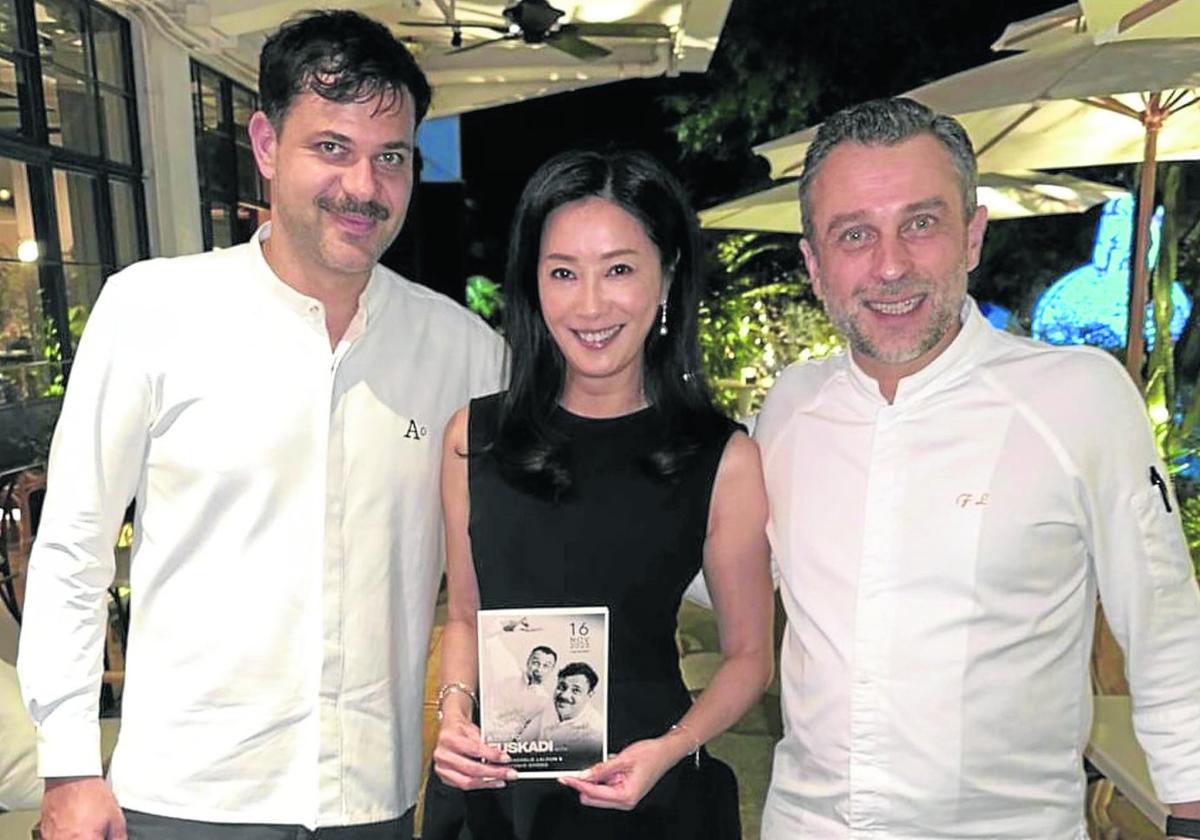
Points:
[(164, 94)]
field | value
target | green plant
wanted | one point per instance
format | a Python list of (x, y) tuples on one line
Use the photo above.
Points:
[(484, 297), (53, 355), (762, 318)]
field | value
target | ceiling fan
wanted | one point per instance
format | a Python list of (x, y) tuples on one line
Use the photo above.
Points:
[(536, 22)]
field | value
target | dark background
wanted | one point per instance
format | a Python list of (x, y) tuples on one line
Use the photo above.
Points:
[(795, 60)]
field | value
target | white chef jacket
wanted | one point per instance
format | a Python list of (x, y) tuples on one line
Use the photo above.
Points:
[(940, 559), (287, 546)]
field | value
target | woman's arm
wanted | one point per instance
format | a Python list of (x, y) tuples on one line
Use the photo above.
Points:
[(456, 758), (737, 571)]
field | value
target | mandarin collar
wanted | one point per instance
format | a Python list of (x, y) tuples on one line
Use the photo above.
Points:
[(958, 356), (370, 302)]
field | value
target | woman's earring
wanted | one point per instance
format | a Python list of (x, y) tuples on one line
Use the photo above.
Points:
[(662, 323)]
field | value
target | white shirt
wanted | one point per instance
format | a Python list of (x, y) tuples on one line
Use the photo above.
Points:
[(287, 548), (585, 731), (940, 559)]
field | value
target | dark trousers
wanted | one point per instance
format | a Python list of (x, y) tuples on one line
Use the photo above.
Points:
[(141, 826)]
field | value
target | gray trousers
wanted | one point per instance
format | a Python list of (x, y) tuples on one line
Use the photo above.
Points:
[(141, 826)]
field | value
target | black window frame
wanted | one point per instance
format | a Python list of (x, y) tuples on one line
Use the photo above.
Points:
[(225, 139), (30, 145)]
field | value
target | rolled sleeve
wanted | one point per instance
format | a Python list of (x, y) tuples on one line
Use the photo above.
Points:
[(96, 458)]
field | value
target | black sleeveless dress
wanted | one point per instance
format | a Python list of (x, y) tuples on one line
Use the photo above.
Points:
[(622, 538)]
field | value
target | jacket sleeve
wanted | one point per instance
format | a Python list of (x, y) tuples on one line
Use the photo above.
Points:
[(1146, 582)]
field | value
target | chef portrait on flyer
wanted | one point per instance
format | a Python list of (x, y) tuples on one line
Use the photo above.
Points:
[(543, 677)]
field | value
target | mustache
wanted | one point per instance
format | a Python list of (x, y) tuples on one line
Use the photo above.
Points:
[(352, 206)]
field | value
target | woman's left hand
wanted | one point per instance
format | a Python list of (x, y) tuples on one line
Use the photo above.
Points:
[(623, 780)]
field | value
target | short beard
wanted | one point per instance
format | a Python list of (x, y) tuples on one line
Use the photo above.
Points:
[(861, 343), (942, 320)]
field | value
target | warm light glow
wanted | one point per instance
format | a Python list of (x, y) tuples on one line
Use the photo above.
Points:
[(5, 195), (1159, 413), (27, 251), (1065, 194)]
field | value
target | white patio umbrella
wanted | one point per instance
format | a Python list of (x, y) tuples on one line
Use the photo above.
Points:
[(1012, 195), (1104, 21), (1070, 104), (1116, 20)]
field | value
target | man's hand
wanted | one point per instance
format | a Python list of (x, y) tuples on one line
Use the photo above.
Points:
[(81, 808)]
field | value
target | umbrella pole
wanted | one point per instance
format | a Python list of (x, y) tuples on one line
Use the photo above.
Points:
[(1134, 345)]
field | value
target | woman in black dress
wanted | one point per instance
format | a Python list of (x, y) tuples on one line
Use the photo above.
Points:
[(605, 476)]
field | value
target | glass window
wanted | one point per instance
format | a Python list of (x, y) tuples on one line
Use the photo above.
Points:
[(83, 287), (233, 196), (75, 204), (217, 164), (9, 38), (245, 104), (108, 37), (212, 103), (118, 143), (30, 367), (124, 215), (18, 240), (12, 79), (26, 369), (60, 34), (222, 226), (71, 113), (71, 165), (247, 174)]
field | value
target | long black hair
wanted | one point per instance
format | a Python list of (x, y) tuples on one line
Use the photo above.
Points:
[(526, 446)]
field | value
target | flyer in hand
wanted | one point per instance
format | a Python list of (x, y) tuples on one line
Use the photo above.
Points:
[(543, 687)]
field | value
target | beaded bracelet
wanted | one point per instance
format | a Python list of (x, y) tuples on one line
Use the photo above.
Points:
[(454, 688)]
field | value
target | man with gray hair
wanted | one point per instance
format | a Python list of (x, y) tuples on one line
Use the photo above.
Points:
[(947, 501)]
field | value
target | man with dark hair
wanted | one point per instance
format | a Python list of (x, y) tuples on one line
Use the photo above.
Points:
[(570, 721), (947, 500), (276, 410)]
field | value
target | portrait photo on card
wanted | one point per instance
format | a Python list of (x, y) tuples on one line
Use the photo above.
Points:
[(543, 687)]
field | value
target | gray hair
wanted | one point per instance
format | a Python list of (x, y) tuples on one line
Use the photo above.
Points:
[(886, 122)]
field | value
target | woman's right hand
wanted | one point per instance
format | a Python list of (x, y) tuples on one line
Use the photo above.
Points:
[(464, 761)]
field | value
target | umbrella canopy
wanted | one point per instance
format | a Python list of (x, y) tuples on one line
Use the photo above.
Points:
[(1075, 104), (1071, 104), (1045, 30), (1104, 21), (1012, 195), (1113, 20)]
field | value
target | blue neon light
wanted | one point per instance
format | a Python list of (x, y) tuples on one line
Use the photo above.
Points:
[(1090, 305)]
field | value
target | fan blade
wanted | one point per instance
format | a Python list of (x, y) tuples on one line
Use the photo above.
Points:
[(570, 43), (621, 30), (503, 30), (479, 44)]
